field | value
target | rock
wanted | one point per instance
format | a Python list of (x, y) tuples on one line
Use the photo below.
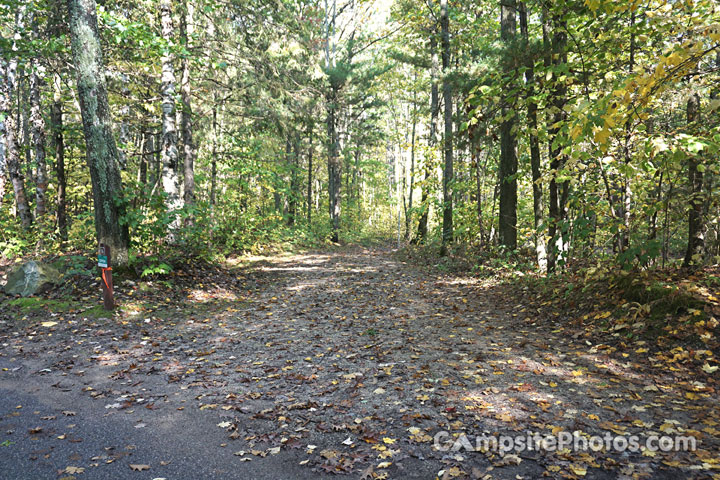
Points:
[(31, 278)]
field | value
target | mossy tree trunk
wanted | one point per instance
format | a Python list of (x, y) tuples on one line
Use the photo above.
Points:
[(102, 154)]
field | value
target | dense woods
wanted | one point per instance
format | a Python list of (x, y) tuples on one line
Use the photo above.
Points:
[(557, 131)]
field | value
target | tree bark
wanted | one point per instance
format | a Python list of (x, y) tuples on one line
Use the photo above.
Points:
[(213, 154), (37, 131), (558, 191), (432, 140), (532, 108), (3, 161), (169, 150), (696, 224), (447, 229), (186, 125), (310, 171), (623, 241), (12, 151), (412, 169), (334, 167), (294, 180), (58, 136), (102, 154), (507, 226)]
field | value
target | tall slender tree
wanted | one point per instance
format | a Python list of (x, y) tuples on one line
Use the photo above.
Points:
[(555, 43), (508, 156), (432, 138), (696, 224), (58, 141), (533, 141), (186, 122), (12, 154), (169, 150), (447, 224)]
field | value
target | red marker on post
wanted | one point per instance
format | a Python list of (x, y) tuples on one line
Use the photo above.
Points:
[(106, 272)]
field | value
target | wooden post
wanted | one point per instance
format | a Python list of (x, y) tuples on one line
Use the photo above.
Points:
[(106, 277)]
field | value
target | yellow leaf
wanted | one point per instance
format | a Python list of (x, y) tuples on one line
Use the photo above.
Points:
[(578, 470), (708, 369), (384, 464), (389, 441)]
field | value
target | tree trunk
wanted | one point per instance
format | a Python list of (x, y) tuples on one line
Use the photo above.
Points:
[(213, 154), (334, 167), (56, 118), (696, 224), (37, 128), (146, 159), (432, 141), (447, 230), (186, 32), (12, 152), (3, 162), (538, 208), (310, 172), (507, 225), (558, 192), (124, 130), (626, 204), (170, 174), (412, 168), (102, 154), (294, 181)]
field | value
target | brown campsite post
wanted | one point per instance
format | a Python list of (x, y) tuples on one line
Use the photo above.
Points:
[(106, 274)]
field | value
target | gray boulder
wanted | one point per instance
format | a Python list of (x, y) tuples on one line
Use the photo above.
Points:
[(30, 278)]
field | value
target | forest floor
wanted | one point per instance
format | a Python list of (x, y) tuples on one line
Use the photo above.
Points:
[(345, 361)]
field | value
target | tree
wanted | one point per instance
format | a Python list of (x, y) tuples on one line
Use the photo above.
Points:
[(555, 41), (8, 72), (447, 223), (336, 79), (696, 224), (101, 151), (169, 155), (534, 142), (186, 124), (508, 155), (37, 128)]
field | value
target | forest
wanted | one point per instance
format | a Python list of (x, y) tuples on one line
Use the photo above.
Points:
[(556, 131), (345, 230)]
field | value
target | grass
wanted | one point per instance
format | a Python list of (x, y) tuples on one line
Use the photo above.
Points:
[(36, 304)]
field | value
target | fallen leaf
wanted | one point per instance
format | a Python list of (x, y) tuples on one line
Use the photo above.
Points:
[(578, 470)]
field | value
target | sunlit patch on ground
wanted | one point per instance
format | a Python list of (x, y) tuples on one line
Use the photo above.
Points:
[(208, 295)]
